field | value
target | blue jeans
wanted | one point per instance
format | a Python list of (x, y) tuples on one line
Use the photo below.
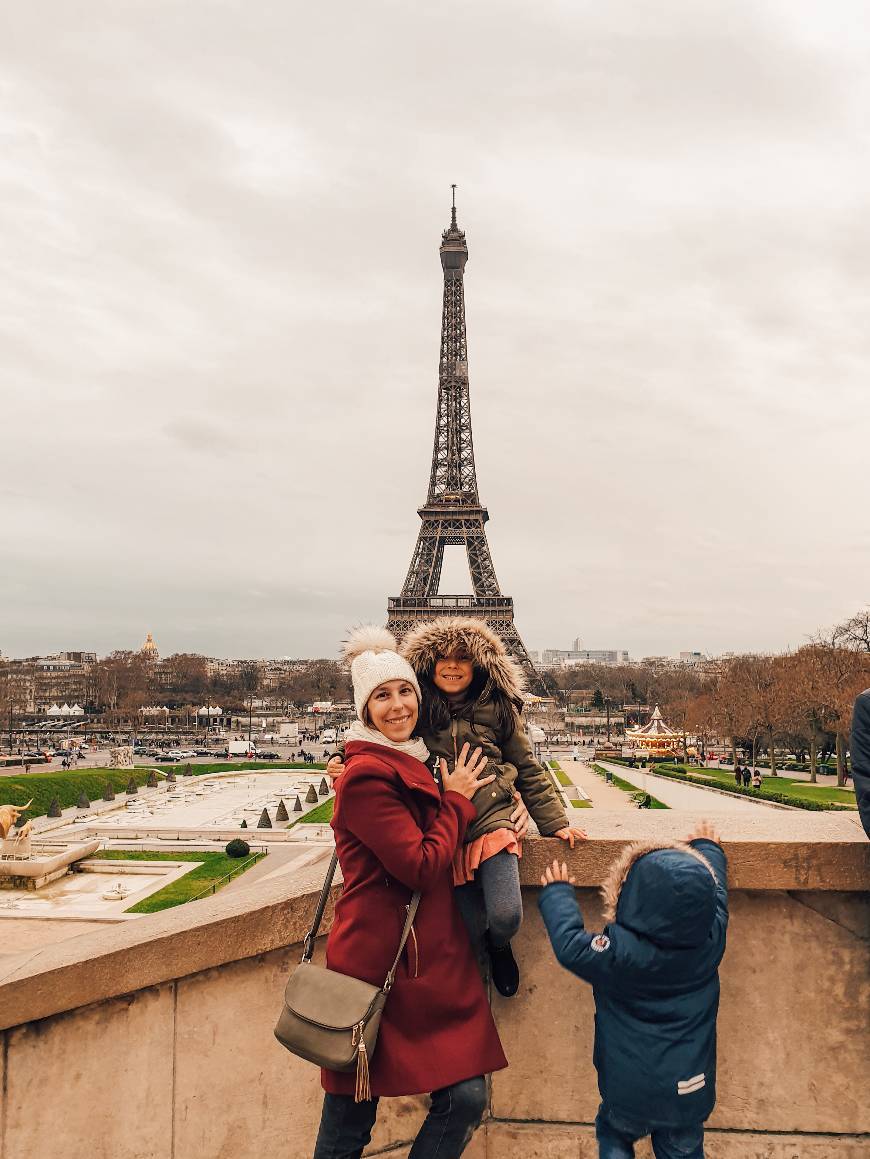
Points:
[(346, 1126), (616, 1139)]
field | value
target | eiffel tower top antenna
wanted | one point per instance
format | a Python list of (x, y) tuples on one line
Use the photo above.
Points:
[(453, 514)]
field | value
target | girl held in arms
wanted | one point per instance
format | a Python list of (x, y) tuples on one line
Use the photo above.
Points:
[(472, 698)]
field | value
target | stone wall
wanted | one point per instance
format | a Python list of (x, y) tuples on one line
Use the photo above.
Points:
[(153, 1040)]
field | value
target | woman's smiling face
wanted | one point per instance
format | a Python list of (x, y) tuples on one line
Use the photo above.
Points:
[(454, 673), (393, 709)]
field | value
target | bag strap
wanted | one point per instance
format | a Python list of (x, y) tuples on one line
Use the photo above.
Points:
[(409, 921), (308, 945)]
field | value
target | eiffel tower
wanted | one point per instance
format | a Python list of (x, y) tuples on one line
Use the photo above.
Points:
[(453, 513)]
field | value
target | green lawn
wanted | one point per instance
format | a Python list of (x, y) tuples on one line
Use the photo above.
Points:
[(775, 787), (561, 777), (320, 815), (211, 868), (66, 786), (627, 787), (581, 804)]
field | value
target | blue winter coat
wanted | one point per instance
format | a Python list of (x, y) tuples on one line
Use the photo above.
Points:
[(654, 975), (860, 750)]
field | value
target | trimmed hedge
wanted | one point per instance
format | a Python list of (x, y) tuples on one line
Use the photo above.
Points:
[(676, 774)]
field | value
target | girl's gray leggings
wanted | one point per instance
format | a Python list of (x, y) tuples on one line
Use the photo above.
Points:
[(493, 900)]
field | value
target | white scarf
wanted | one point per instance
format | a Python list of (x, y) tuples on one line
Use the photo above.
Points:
[(413, 747)]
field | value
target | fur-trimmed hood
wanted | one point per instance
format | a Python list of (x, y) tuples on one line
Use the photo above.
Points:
[(664, 890), (426, 642)]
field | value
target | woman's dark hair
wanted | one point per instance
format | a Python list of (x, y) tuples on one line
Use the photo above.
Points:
[(435, 707)]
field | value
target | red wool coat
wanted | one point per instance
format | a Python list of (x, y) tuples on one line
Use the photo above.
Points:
[(395, 833)]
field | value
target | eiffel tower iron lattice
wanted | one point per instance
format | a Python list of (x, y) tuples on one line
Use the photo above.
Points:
[(453, 514)]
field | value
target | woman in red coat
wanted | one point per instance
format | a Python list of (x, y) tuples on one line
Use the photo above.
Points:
[(396, 832)]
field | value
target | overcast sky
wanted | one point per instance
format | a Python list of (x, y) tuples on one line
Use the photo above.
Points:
[(220, 304)]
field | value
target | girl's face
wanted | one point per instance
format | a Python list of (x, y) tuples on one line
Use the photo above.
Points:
[(453, 673), (392, 709)]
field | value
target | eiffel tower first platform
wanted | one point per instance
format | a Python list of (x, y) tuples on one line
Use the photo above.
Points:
[(453, 514)]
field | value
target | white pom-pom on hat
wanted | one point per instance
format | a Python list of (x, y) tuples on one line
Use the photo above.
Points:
[(368, 638), (371, 653)]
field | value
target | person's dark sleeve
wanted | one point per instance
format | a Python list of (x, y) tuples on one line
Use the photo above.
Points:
[(534, 784), (715, 854), (860, 750), (571, 941)]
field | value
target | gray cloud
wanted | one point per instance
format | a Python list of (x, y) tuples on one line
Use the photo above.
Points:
[(220, 302)]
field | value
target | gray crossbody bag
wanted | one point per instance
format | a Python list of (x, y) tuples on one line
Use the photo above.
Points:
[(332, 1019)]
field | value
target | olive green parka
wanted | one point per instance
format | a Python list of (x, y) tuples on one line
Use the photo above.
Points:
[(476, 722)]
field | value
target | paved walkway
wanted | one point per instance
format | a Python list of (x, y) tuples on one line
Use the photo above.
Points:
[(602, 795), (688, 798), (281, 861)]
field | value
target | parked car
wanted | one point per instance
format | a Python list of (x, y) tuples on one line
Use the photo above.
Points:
[(268, 757), (168, 759)]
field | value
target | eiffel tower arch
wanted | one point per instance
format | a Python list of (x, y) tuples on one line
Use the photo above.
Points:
[(453, 514)]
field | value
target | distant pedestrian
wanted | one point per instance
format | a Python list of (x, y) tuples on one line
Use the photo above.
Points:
[(747, 778), (756, 778), (27, 766)]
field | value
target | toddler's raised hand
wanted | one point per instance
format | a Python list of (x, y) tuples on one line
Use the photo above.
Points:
[(556, 872), (571, 834), (705, 830)]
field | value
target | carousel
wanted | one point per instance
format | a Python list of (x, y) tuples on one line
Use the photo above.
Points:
[(655, 737)]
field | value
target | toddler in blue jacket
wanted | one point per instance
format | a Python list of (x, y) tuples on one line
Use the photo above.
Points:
[(655, 978)]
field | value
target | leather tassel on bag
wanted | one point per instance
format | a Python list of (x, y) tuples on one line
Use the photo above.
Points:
[(363, 1085)]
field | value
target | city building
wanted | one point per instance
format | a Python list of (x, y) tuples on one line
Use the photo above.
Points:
[(559, 657), (149, 648), (692, 657), (35, 684)]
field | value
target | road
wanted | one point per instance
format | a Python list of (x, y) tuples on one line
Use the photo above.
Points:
[(99, 758)]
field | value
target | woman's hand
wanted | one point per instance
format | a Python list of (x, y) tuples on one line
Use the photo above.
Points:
[(571, 835), (520, 818), (334, 768), (556, 872), (465, 778)]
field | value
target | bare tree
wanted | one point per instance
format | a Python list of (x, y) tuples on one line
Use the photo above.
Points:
[(854, 632)]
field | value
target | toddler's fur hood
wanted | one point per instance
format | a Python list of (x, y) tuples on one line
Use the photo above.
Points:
[(424, 644), (612, 885)]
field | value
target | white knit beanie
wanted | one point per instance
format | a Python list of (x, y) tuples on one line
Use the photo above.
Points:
[(371, 653)]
